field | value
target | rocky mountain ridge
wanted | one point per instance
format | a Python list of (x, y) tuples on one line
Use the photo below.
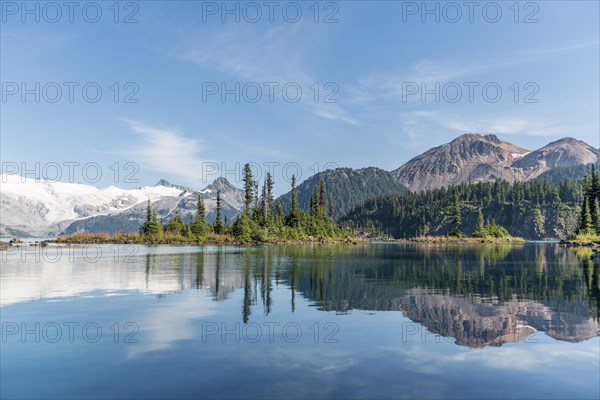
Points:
[(479, 158)]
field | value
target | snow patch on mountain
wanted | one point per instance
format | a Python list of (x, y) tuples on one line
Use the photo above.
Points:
[(36, 205), (48, 208)]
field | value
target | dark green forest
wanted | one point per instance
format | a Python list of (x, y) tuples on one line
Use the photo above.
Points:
[(532, 210), (347, 188)]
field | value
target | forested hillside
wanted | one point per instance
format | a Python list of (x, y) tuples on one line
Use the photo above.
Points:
[(347, 188), (532, 210), (562, 173)]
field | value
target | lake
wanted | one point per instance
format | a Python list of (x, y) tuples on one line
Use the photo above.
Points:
[(340, 321)]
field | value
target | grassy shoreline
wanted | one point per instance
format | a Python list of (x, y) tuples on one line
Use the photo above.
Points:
[(216, 239), (468, 240), (209, 239), (582, 240)]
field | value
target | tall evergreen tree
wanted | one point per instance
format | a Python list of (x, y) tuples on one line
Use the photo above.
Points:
[(199, 227), (480, 228), (331, 209), (218, 221), (269, 193), (148, 213), (155, 227), (255, 195), (248, 188), (279, 217), (200, 210), (314, 203), (594, 188), (145, 227), (295, 205), (151, 226), (241, 228), (265, 205), (596, 215), (457, 218), (322, 209), (586, 226), (293, 218)]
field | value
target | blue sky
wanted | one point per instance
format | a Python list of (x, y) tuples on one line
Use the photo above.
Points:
[(373, 63)]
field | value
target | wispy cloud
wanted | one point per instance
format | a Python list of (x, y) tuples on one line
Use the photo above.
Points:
[(246, 53), (272, 55), (421, 129), (511, 125), (388, 85), (167, 151)]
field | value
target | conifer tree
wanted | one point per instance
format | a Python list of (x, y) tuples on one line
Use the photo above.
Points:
[(457, 218), (255, 195), (198, 227), (144, 229), (593, 185), (177, 226), (248, 188), (200, 210), (293, 218), (322, 209), (294, 194), (279, 217), (265, 206), (585, 226), (314, 203), (241, 228), (218, 227), (155, 227), (269, 193), (596, 216), (480, 229), (151, 227), (148, 213), (331, 209)]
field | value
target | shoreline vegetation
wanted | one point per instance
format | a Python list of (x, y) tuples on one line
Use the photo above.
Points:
[(209, 239), (215, 239), (464, 239), (579, 240), (588, 231)]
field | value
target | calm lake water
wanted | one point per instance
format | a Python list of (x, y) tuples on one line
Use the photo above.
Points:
[(368, 321)]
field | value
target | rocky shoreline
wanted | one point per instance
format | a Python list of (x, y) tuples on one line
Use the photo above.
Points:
[(16, 242), (594, 245), (462, 240)]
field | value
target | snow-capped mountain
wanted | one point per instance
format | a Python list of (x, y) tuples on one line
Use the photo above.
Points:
[(47, 208)]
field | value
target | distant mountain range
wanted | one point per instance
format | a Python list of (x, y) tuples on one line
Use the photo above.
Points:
[(41, 208), (44, 208), (483, 158)]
